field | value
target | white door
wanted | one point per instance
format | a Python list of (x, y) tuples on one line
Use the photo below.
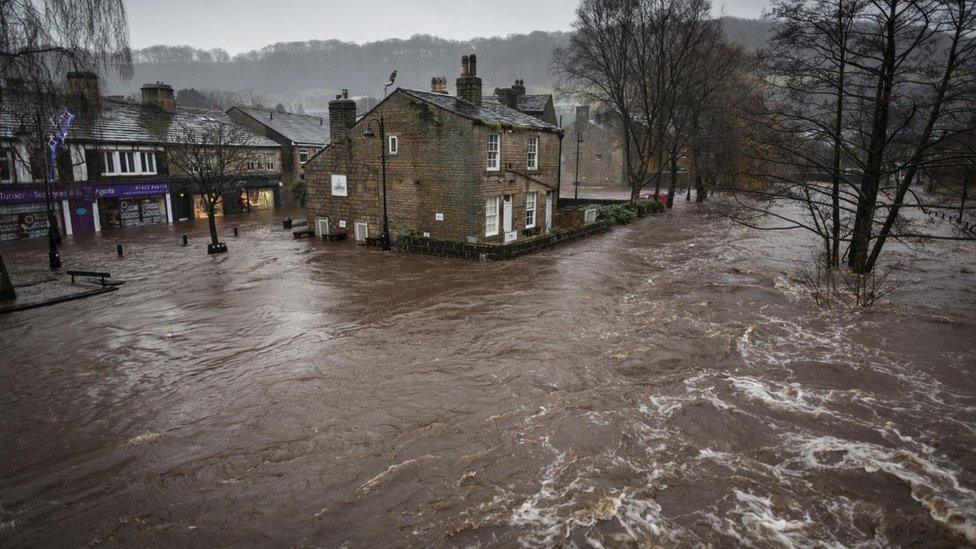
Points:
[(549, 211), (362, 231), (322, 226), (507, 212)]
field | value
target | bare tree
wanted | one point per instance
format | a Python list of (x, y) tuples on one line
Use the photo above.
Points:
[(39, 43), (636, 59), (861, 97), (212, 154)]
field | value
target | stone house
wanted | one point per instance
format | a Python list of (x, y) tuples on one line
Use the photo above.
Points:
[(301, 137), (601, 158), (459, 168), (112, 172)]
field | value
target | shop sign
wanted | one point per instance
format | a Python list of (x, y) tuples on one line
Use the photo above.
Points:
[(339, 185), (35, 194)]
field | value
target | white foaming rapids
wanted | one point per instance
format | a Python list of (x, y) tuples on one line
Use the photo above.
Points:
[(934, 486)]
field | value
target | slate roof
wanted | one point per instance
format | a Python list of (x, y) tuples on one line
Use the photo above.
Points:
[(490, 111), (300, 129), (118, 121), (533, 103)]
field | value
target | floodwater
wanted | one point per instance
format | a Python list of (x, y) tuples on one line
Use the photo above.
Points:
[(663, 384)]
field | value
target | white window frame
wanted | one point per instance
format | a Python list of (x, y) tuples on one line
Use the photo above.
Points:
[(533, 153), (365, 227), (135, 162), (301, 153), (147, 161), (492, 216), (109, 163), (531, 209), (393, 145), (7, 155), (494, 152)]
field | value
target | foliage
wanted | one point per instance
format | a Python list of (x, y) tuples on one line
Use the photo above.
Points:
[(830, 286), (647, 207), (618, 214), (299, 191)]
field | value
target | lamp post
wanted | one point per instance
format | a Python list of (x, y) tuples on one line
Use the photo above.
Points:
[(60, 132), (369, 134), (579, 139)]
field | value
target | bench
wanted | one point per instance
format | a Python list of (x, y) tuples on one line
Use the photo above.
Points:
[(303, 234), (90, 274)]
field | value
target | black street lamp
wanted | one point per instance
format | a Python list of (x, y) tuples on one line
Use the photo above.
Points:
[(579, 139), (369, 134)]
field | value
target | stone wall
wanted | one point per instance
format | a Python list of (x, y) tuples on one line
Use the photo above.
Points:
[(497, 252)]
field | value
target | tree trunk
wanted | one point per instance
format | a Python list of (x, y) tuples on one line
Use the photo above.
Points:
[(212, 221), (965, 191), (673, 185), (834, 251), (6, 287)]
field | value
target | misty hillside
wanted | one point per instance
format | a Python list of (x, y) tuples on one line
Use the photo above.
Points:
[(308, 74)]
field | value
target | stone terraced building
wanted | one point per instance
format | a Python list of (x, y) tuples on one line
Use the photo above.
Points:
[(463, 169)]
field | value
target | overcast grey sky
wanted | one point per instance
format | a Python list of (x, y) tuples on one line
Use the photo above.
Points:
[(244, 25)]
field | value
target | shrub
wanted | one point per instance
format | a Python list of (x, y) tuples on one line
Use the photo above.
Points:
[(618, 214), (647, 207)]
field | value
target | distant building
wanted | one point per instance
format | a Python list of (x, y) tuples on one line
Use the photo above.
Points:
[(301, 137), (601, 158), (539, 106), (463, 169), (112, 172)]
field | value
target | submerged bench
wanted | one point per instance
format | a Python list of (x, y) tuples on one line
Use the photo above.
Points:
[(93, 274)]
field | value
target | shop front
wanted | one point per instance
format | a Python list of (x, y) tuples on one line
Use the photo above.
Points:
[(121, 205), (23, 212), (83, 209), (253, 196)]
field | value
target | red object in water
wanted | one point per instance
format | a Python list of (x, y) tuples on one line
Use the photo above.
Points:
[(662, 198)]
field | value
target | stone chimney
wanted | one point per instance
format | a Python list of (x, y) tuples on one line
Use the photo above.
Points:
[(342, 115), (84, 85), (507, 97), (519, 88), (583, 113), (159, 94), (438, 84), (469, 85)]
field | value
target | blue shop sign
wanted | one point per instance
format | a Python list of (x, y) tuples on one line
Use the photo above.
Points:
[(86, 192)]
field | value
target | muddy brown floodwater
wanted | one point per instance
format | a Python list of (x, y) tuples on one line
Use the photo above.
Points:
[(664, 384)]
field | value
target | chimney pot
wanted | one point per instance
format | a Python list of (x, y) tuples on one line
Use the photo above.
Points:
[(468, 84)]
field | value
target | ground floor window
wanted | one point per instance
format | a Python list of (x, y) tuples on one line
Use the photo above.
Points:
[(491, 216), (362, 231), (131, 212), (256, 199), (200, 209), (26, 220), (530, 206)]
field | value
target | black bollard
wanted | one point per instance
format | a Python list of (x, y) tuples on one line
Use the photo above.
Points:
[(118, 248), (235, 232), (184, 240)]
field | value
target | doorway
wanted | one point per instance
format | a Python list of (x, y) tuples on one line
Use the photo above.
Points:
[(321, 226), (507, 211)]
